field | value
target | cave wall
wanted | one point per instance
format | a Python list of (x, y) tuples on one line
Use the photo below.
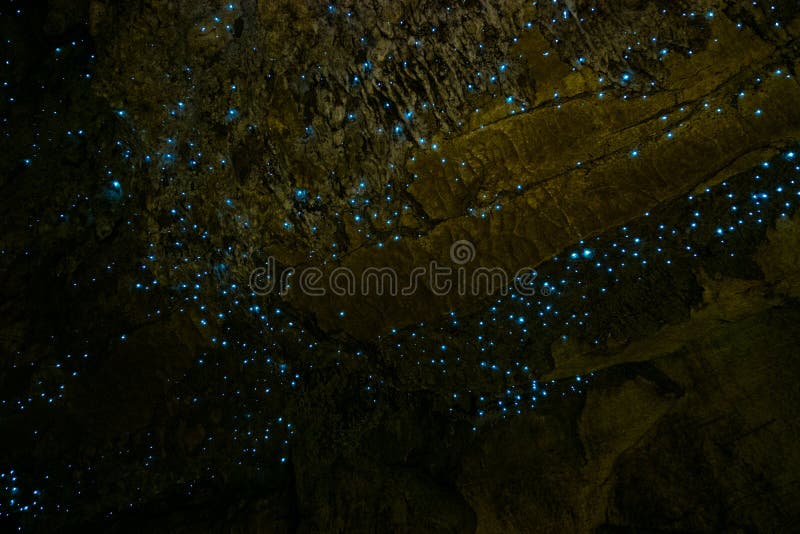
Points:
[(640, 155)]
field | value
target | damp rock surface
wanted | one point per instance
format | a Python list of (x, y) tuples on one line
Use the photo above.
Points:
[(639, 158)]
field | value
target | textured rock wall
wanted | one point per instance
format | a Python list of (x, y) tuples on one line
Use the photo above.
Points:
[(640, 155)]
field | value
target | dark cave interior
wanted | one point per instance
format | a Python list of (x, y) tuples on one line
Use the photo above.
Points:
[(186, 185)]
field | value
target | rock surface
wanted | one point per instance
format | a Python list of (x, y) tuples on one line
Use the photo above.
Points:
[(640, 155)]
